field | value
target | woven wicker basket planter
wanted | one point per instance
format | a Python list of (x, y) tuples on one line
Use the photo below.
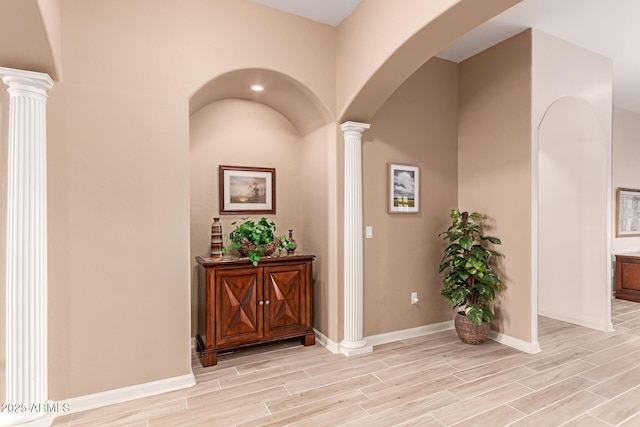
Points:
[(247, 246), (469, 332)]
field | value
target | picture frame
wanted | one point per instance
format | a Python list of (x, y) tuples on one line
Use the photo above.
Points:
[(404, 188), (247, 190), (627, 212)]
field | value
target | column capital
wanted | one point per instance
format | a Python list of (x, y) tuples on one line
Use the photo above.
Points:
[(354, 127), (30, 82)]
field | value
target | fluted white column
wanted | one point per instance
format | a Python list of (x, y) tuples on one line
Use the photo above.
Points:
[(26, 279), (354, 342)]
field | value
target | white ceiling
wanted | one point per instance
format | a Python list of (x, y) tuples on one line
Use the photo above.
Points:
[(330, 12), (608, 27)]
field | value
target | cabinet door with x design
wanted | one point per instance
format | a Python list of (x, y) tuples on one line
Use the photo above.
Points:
[(286, 311), (238, 315)]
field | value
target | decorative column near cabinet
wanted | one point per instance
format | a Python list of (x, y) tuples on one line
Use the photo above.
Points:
[(26, 275), (354, 342)]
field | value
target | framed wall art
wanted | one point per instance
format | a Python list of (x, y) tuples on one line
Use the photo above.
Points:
[(247, 190), (404, 188), (627, 212)]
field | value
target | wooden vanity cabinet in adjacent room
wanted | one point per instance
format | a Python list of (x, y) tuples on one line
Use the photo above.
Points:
[(628, 276), (240, 304)]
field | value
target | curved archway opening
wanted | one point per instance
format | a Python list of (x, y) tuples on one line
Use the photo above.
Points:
[(573, 262), (365, 82)]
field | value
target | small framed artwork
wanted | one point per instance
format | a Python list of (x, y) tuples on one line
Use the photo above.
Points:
[(627, 212), (247, 190), (404, 188)]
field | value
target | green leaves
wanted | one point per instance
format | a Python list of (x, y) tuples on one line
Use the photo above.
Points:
[(466, 242), (456, 296), (470, 281), (477, 313), (259, 233), (254, 256), (493, 240)]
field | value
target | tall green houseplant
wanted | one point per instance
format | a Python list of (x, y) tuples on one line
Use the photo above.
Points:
[(470, 283)]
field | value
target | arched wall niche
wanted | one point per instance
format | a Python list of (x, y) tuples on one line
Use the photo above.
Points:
[(285, 127), (573, 262), (282, 93)]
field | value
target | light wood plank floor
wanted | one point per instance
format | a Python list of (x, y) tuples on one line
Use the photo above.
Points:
[(582, 378)]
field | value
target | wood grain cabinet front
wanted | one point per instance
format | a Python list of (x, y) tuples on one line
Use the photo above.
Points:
[(240, 304), (628, 276)]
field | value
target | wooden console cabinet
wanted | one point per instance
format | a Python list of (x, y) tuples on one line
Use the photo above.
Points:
[(628, 276), (240, 304)]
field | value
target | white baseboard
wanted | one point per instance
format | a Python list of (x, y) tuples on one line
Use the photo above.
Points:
[(326, 342), (374, 340), (610, 327), (119, 395), (408, 333), (527, 347), (606, 327), (404, 334)]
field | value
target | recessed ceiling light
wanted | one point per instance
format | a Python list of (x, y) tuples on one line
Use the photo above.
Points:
[(257, 88)]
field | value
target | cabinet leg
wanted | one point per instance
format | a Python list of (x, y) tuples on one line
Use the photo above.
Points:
[(308, 339), (209, 358)]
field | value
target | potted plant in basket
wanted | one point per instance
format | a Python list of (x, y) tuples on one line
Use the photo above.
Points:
[(470, 284), (255, 239)]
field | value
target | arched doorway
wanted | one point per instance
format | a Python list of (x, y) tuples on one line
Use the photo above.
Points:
[(573, 222)]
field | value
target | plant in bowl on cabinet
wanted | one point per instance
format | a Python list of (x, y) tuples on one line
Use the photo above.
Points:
[(255, 239)]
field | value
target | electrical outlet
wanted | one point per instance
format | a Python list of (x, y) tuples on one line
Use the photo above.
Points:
[(414, 297)]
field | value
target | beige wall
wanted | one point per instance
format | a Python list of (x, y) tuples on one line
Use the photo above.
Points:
[(319, 223), (361, 53), (119, 265), (494, 174), (118, 238), (626, 174), (416, 126), (120, 257), (30, 35), (52, 22), (178, 46), (372, 64), (240, 133)]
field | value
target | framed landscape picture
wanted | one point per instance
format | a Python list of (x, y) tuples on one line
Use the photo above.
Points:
[(247, 190), (627, 212), (404, 188)]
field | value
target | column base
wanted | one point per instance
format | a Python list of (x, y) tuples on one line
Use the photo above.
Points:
[(350, 348)]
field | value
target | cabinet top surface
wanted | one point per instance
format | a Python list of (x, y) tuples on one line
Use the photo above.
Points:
[(630, 255), (231, 259)]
